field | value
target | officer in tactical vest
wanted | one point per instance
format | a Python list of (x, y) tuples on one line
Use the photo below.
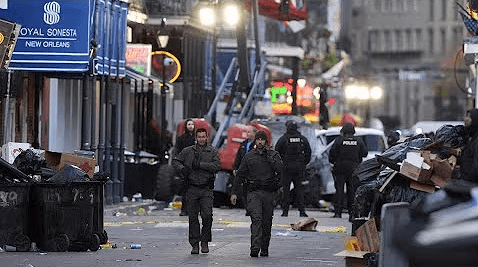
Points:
[(294, 149), (346, 154)]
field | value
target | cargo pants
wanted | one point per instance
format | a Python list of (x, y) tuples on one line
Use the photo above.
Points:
[(199, 201), (261, 210)]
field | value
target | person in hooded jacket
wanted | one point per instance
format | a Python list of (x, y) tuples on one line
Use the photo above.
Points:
[(183, 141), (346, 154), (469, 156), (295, 151), (259, 169)]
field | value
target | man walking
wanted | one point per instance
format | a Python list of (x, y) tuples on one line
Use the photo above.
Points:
[(245, 147), (199, 164), (294, 149), (346, 154), (185, 140), (260, 170)]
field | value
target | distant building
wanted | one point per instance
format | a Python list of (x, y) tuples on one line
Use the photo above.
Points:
[(408, 47)]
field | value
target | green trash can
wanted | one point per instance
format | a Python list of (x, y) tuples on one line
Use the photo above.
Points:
[(67, 216), (14, 218)]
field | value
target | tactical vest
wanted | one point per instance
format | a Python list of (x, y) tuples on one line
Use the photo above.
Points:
[(349, 150), (295, 148)]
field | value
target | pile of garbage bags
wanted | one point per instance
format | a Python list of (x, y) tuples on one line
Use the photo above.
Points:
[(30, 167), (382, 179)]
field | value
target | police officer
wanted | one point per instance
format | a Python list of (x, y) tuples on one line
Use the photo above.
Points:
[(245, 147), (199, 164), (346, 154), (294, 149), (260, 169), (183, 141)]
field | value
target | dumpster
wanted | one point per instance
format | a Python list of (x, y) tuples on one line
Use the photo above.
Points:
[(67, 216), (14, 210)]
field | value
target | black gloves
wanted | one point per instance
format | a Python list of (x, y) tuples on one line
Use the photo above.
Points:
[(186, 171), (196, 164)]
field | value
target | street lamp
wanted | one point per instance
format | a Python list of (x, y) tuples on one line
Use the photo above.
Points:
[(363, 92), (163, 42)]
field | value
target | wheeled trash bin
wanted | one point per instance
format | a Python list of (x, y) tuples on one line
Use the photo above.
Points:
[(14, 214), (67, 216)]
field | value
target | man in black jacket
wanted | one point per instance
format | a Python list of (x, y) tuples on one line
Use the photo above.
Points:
[(245, 147), (185, 140), (199, 164), (346, 154), (294, 149), (260, 169), (469, 157)]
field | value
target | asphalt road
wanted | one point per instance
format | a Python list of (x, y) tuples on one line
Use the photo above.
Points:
[(163, 238)]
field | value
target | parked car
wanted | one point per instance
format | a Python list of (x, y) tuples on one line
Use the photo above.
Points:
[(374, 139)]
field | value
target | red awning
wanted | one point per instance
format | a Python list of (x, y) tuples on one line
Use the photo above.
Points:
[(270, 8)]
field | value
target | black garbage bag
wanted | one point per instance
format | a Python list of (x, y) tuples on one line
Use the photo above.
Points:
[(451, 136), (398, 152), (367, 194), (68, 174), (368, 170), (442, 229), (371, 259), (10, 173), (399, 191), (29, 162)]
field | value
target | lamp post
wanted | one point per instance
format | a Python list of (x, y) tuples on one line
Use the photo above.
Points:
[(364, 93), (163, 42)]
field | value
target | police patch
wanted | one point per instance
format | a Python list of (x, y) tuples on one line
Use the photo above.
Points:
[(294, 140), (349, 143)]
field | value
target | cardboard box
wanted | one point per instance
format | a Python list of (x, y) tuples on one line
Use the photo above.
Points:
[(367, 235), (353, 258), (422, 187), (56, 161), (415, 168)]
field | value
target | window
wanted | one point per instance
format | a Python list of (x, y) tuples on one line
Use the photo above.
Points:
[(443, 40), (411, 5), (398, 40), (387, 5), (419, 39), (400, 5), (388, 40), (409, 39), (431, 44), (432, 10), (443, 9), (377, 5)]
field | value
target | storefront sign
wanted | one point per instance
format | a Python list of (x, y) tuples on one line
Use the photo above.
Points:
[(138, 57), (54, 36)]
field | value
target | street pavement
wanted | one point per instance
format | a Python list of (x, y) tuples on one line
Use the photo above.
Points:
[(162, 235)]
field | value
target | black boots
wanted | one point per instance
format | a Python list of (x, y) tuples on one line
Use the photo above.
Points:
[(195, 249), (285, 213), (254, 253), (264, 253), (204, 247), (303, 214)]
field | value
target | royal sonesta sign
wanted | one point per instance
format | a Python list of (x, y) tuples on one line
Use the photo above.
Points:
[(54, 36)]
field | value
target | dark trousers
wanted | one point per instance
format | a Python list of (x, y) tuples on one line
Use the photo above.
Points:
[(342, 179), (296, 176), (199, 201), (261, 210)]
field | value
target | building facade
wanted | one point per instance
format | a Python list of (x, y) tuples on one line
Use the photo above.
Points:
[(411, 48)]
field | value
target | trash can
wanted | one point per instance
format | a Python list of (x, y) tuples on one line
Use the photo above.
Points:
[(67, 216), (14, 210)]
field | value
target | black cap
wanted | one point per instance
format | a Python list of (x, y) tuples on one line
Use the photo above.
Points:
[(261, 134), (348, 128), (291, 125)]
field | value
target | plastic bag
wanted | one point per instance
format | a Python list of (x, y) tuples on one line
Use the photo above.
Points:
[(69, 174), (29, 162), (368, 170), (451, 136)]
